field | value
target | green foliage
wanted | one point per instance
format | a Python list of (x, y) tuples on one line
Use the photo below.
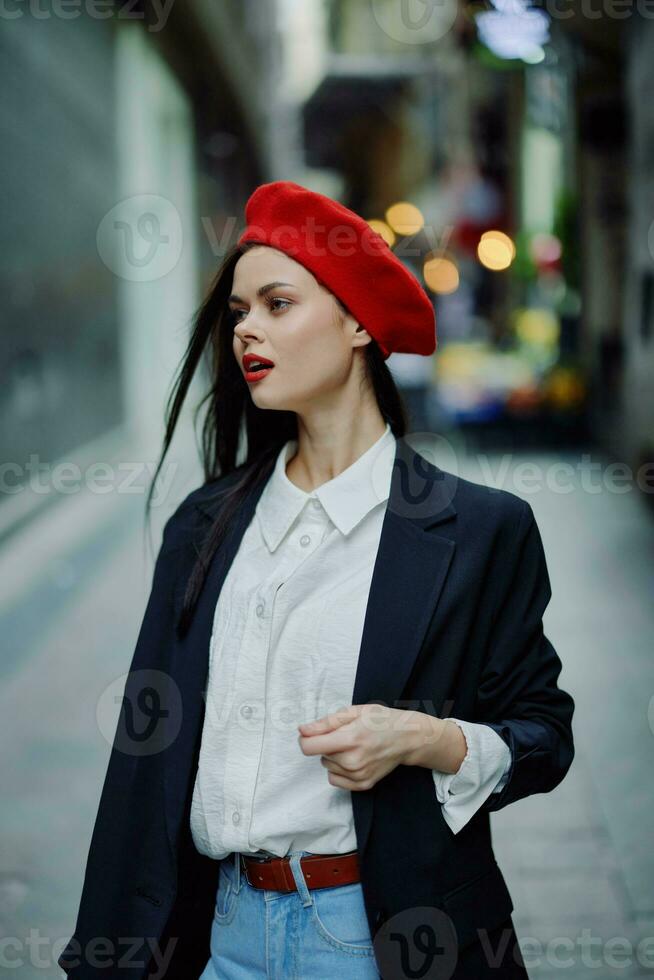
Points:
[(488, 58), (523, 266), (566, 228)]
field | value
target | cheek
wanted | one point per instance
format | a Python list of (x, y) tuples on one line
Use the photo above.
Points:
[(315, 347), (322, 377)]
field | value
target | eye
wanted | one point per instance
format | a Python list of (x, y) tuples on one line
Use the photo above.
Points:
[(234, 314), (278, 299)]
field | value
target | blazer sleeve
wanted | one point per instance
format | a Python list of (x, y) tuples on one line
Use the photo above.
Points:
[(518, 694), (102, 882)]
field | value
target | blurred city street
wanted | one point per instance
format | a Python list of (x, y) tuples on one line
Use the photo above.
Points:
[(504, 154), (579, 862)]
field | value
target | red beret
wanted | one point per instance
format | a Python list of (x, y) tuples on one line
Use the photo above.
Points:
[(354, 262)]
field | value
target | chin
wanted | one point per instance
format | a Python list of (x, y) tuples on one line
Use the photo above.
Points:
[(268, 402)]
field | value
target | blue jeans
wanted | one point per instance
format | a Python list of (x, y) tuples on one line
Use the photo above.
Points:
[(299, 935)]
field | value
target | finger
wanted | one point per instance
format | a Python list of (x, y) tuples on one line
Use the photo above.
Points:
[(344, 783), (339, 770), (335, 767), (331, 721), (329, 743)]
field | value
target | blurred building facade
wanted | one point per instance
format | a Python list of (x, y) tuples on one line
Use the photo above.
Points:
[(609, 251), (636, 433), (131, 146)]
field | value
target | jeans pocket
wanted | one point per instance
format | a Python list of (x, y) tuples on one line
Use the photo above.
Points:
[(226, 898), (339, 917)]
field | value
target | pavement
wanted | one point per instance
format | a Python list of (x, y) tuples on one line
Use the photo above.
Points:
[(579, 861)]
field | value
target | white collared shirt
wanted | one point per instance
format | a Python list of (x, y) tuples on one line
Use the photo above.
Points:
[(284, 649)]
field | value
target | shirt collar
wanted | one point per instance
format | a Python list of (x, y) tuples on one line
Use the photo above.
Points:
[(346, 498)]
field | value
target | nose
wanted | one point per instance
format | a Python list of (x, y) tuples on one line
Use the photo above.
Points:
[(247, 329)]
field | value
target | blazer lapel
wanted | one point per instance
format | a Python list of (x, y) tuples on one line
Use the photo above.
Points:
[(408, 576)]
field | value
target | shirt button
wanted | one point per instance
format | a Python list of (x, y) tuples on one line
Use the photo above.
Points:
[(305, 540), (315, 504), (260, 609), (236, 817), (246, 710)]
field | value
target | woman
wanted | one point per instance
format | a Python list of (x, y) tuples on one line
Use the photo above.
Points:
[(341, 669)]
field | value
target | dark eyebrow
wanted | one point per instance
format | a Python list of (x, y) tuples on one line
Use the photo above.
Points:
[(261, 291)]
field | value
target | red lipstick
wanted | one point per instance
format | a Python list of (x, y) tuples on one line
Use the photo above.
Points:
[(256, 367)]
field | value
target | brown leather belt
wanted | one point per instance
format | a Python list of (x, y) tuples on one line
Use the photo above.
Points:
[(319, 870)]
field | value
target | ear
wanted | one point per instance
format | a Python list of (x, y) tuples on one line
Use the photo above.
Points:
[(360, 337)]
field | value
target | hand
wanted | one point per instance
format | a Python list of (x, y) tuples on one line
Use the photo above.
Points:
[(362, 743)]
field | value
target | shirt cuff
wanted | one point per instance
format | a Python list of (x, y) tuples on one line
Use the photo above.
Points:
[(484, 770)]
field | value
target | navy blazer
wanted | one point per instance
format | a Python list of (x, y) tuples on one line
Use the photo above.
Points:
[(453, 626)]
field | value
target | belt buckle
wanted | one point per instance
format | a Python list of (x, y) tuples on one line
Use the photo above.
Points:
[(244, 868), (245, 871)]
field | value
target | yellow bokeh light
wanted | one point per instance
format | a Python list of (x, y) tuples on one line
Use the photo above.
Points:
[(494, 253), (499, 236), (537, 326), (565, 388), (382, 229), (405, 218), (441, 275)]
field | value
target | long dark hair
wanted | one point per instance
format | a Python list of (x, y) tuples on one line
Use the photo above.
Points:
[(230, 409)]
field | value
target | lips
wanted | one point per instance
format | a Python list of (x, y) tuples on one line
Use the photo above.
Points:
[(253, 362), (256, 367)]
